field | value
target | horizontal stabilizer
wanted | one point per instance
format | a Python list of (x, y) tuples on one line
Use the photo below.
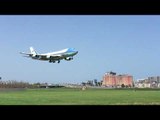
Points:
[(25, 53), (27, 56)]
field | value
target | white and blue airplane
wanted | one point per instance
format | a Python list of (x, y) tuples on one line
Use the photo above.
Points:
[(66, 54)]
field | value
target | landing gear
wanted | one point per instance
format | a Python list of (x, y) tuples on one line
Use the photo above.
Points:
[(51, 61)]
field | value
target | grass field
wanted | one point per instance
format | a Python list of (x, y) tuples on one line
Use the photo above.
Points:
[(68, 96)]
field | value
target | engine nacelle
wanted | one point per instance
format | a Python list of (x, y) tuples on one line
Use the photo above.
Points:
[(48, 56), (68, 58), (36, 56)]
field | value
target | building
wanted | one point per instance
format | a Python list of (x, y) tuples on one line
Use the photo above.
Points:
[(154, 79), (150, 82), (110, 79)]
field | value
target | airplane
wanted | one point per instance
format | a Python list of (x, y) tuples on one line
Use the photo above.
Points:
[(66, 54)]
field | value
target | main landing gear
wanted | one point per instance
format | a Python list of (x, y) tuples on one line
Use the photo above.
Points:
[(52, 61)]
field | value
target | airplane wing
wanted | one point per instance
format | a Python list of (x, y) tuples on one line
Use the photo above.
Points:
[(56, 56), (42, 56), (27, 56)]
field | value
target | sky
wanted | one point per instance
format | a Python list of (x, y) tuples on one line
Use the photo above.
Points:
[(125, 44)]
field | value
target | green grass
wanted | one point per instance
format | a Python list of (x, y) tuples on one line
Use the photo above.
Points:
[(66, 96)]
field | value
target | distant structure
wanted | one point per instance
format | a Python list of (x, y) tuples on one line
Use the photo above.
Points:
[(150, 82), (110, 79), (154, 79)]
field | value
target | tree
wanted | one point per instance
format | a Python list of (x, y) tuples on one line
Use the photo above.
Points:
[(101, 82), (83, 83), (95, 82), (122, 85), (90, 82)]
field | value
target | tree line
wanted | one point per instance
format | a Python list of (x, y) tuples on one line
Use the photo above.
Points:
[(94, 82), (17, 84)]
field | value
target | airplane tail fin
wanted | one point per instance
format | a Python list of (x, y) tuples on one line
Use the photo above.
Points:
[(33, 51)]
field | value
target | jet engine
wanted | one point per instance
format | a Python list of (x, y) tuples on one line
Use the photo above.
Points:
[(36, 56), (48, 56), (69, 58)]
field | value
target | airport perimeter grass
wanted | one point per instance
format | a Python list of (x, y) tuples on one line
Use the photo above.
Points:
[(71, 96)]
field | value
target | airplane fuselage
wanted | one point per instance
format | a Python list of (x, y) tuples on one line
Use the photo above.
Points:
[(66, 54)]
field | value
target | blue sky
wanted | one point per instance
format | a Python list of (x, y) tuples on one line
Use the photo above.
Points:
[(124, 44)]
